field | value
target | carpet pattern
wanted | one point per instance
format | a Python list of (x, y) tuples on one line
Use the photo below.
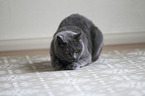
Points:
[(116, 73)]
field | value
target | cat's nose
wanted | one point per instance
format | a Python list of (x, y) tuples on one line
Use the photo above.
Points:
[(74, 57)]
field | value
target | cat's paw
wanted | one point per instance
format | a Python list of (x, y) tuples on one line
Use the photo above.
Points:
[(57, 65), (73, 66)]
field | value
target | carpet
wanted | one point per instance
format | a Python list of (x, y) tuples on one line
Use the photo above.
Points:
[(116, 73)]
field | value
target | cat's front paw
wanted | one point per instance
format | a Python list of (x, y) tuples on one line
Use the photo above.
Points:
[(73, 66), (57, 66)]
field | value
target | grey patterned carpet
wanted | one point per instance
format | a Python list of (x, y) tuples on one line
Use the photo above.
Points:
[(116, 73)]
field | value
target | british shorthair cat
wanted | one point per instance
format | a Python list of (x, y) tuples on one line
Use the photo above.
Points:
[(76, 43)]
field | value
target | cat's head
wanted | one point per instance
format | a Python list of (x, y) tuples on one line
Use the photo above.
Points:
[(69, 46)]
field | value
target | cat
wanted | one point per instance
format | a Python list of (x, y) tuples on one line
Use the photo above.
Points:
[(76, 43)]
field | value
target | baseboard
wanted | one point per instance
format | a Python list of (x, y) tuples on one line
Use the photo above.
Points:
[(44, 43), (25, 44), (124, 38)]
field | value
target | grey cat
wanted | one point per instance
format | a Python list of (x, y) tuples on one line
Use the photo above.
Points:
[(76, 43)]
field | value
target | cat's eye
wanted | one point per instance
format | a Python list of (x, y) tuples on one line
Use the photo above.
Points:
[(67, 53), (77, 51)]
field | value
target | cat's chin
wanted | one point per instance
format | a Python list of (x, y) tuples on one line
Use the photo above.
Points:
[(66, 61), (71, 61)]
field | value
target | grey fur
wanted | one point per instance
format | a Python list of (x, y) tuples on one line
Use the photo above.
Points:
[(77, 43)]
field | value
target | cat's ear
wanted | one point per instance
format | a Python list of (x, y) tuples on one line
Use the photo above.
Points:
[(61, 41), (77, 35)]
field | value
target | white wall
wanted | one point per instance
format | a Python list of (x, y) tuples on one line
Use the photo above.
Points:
[(32, 19)]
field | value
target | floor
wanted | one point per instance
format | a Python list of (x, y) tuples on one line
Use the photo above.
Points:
[(120, 71)]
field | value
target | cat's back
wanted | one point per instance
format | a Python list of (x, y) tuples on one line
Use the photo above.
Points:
[(77, 20)]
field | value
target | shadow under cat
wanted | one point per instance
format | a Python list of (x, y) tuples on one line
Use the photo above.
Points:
[(39, 67), (44, 66)]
